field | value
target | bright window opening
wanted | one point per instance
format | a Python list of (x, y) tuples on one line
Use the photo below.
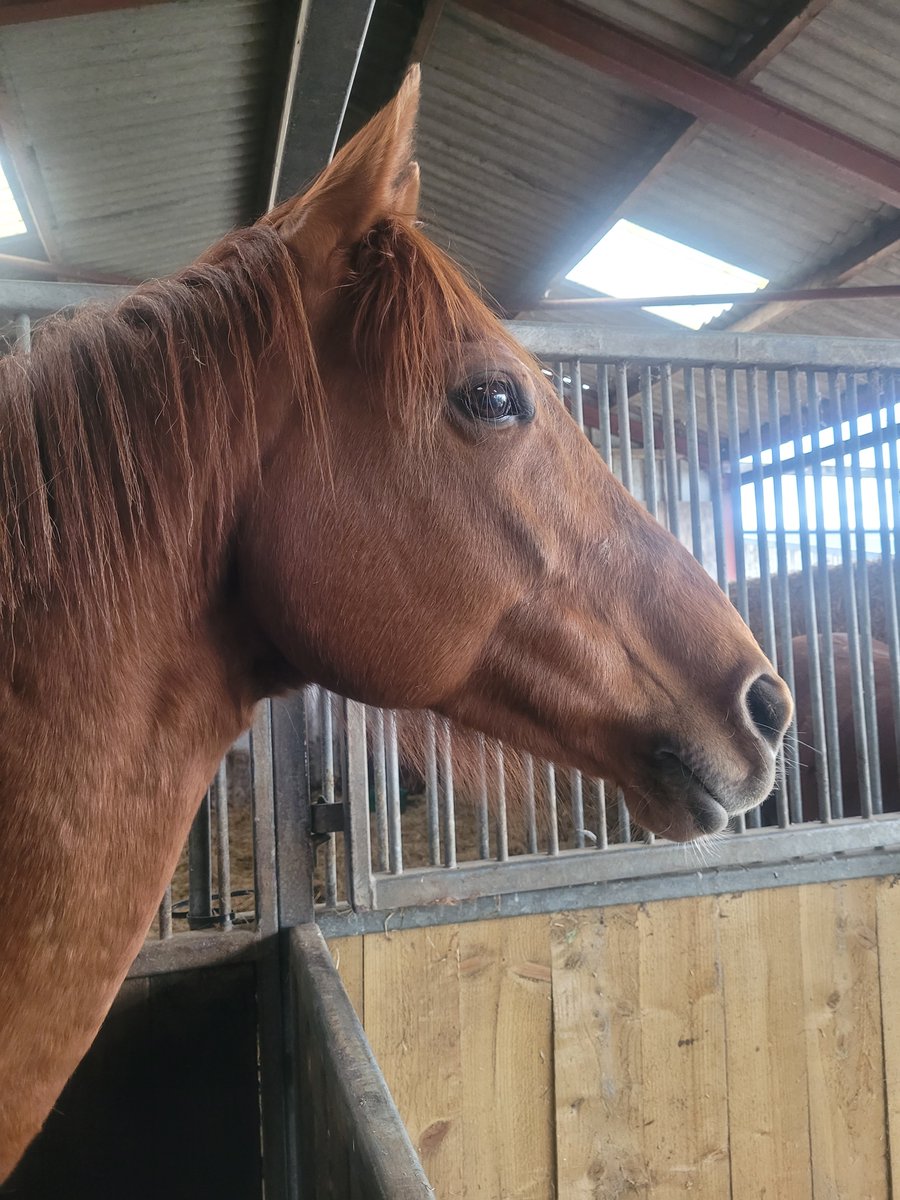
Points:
[(11, 222), (631, 261)]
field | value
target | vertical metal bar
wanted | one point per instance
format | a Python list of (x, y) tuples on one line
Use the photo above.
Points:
[(502, 832), (831, 802), (624, 817), (165, 915), (327, 727), (432, 794), (670, 449), (577, 804), (223, 846), (650, 493), (530, 807), (481, 811), (265, 878), (862, 592), (550, 798), (395, 831), (693, 458), (449, 799), (762, 543), (23, 332), (888, 476), (575, 776), (357, 831), (809, 601), (200, 914), (734, 480), (293, 823), (379, 782), (624, 418), (603, 409), (788, 787), (577, 394), (856, 691), (602, 830), (714, 467)]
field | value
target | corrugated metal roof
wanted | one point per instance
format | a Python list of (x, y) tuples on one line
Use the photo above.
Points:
[(146, 126), (707, 30), (514, 141), (751, 206)]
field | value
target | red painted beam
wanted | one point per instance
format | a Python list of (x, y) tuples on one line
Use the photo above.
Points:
[(685, 84)]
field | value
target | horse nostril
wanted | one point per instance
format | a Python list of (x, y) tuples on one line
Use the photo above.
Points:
[(769, 708)]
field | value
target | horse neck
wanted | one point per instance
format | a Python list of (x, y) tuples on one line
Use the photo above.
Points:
[(111, 732)]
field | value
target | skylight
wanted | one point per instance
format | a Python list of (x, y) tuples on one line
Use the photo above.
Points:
[(11, 221), (631, 261)]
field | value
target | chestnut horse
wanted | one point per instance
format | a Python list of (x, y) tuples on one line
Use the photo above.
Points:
[(314, 455)]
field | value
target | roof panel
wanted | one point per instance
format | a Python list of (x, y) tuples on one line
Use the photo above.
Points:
[(148, 143)]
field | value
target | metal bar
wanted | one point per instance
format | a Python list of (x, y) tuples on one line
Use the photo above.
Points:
[(200, 911), (379, 783), (327, 726), (852, 617), (830, 791), (602, 830), (449, 811), (884, 291), (432, 796), (481, 811), (650, 492), (530, 807), (577, 802), (693, 459), (603, 406), (637, 861), (577, 395), (734, 480), (265, 875), (624, 816), (23, 332), (553, 341), (550, 800), (164, 915), (670, 448), (887, 501), (357, 829), (624, 416), (788, 787), (293, 840), (502, 831), (862, 593), (223, 846), (395, 830), (715, 474)]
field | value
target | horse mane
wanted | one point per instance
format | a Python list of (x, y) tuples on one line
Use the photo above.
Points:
[(121, 426)]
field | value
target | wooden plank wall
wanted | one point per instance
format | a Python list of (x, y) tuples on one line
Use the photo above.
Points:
[(742, 1047)]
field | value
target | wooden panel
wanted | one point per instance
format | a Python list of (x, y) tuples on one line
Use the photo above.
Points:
[(411, 999), (348, 958), (507, 1058), (759, 937), (685, 1100), (888, 927), (597, 1055), (844, 1043)]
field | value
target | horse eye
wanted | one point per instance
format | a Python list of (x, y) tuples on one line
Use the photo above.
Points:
[(492, 401)]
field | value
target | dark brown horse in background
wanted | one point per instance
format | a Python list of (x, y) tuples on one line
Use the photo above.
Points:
[(808, 757), (312, 456)]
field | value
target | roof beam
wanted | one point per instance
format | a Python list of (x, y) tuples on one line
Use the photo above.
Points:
[(12, 13), (881, 245), (324, 56), (37, 266), (701, 92)]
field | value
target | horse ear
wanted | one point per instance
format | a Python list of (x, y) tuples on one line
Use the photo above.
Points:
[(371, 178)]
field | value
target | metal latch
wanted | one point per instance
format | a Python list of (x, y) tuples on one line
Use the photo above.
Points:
[(326, 818)]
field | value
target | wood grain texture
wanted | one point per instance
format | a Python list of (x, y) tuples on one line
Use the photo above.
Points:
[(684, 1092), (844, 1041), (348, 955), (888, 928), (598, 1055), (411, 1000), (759, 940), (507, 1059)]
